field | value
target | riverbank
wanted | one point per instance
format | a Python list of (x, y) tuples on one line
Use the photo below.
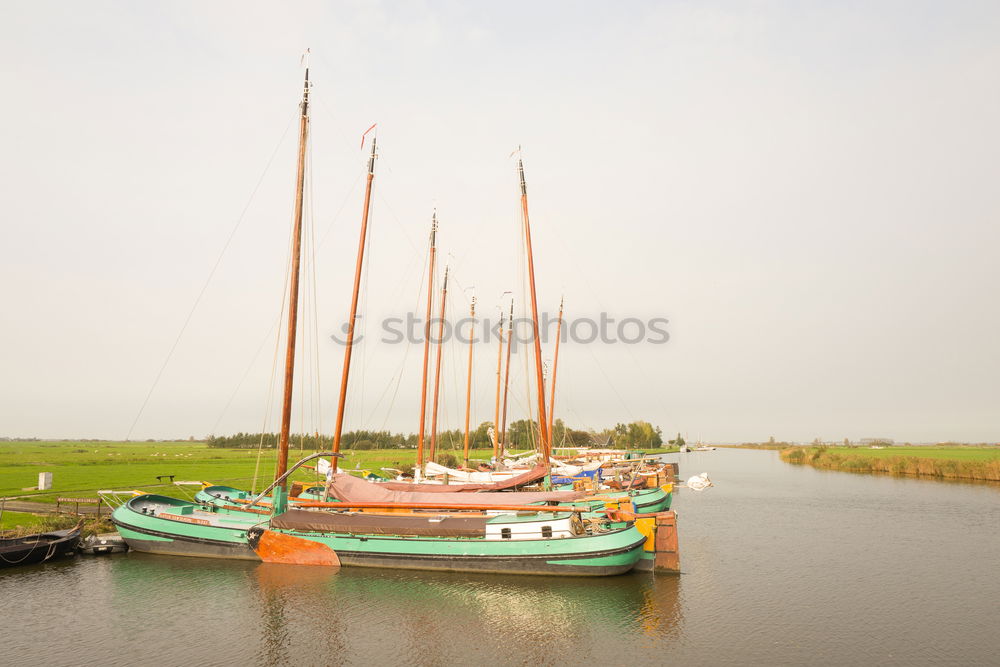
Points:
[(960, 463), (16, 524), (80, 468)]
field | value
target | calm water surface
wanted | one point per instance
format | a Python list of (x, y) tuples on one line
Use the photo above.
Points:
[(781, 565)]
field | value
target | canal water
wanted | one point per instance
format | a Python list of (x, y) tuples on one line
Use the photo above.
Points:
[(781, 565)]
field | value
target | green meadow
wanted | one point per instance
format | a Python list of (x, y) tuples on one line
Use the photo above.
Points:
[(80, 468)]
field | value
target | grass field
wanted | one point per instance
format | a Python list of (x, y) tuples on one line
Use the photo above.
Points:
[(11, 520), (972, 463), (79, 469)]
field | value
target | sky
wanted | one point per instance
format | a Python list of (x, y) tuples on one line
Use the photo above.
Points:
[(805, 192)]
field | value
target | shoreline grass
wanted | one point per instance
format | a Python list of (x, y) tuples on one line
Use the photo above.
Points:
[(80, 468), (19, 524), (960, 463)]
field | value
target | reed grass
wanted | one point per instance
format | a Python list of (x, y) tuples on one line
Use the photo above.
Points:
[(966, 463), (19, 524)]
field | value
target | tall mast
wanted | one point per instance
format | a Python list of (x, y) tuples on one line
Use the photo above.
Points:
[(427, 345), (437, 366), (555, 367), (542, 421), (506, 380), (496, 409), (354, 309), (293, 290), (468, 383)]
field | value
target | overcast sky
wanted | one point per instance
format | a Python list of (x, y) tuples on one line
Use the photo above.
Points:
[(806, 191)]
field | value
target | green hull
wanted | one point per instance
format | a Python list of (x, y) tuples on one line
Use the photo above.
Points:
[(615, 552), (230, 536), (156, 534), (645, 500)]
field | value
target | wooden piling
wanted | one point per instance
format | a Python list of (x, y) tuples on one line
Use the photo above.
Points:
[(667, 557)]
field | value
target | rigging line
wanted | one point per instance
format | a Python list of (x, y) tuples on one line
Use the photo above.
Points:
[(315, 402), (367, 348), (322, 101), (312, 318), (522, 255), (610, 384), (456, 359), (409, 344), (303, 315), (379, 402), (318, 423), (642, 370), (208, 280), (340, 210), (395, 218), (246, 373), (269, 401)]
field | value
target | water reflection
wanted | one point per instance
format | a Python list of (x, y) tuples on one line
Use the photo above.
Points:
[(406, 616), (782, 565)]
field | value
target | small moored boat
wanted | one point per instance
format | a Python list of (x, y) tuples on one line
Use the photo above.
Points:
[(38, 548)]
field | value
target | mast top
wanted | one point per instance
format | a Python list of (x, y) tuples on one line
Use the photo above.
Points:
[(371, 158), (445, 286), (305, 87), (434, 228), (520, 172)]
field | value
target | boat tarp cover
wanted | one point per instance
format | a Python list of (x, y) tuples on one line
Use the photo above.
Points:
[(432, 469), (527, 477), (352, 490), (370, 524)]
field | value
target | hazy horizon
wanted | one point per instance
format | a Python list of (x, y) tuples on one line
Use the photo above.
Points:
[(805, 192)]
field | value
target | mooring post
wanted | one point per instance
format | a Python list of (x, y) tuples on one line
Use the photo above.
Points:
[(667, 558)]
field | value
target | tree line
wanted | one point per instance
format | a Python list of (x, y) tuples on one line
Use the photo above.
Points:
[(521, 434)]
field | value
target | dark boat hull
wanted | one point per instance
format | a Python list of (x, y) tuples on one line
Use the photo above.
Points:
[(38, 548)]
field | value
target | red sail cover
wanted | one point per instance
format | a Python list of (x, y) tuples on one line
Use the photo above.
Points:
[(527, 477), (350, 489)]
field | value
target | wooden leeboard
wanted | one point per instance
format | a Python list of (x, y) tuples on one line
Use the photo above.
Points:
[(275, 547)]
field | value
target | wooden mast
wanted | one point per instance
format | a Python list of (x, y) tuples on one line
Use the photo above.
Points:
[(427, 343), (496, 408), (542, 421), (437, 366), (555, 367), (293, 290), (354, 309), (468, 383), (506, 380)]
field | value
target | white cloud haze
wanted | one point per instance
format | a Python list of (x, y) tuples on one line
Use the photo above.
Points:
[(807, 191)]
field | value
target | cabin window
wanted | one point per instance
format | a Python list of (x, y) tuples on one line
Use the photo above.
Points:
[(546, 531), (505, 533)]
